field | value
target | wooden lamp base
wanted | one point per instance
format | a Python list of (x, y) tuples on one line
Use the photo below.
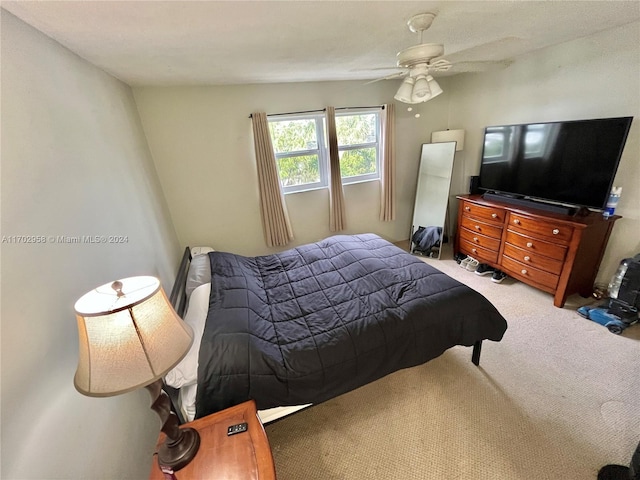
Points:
[(181, 445)]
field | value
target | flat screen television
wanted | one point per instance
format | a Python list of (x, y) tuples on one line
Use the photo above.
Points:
[(567, 163)]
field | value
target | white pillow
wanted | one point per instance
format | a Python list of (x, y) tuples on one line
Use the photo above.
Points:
[(201, 250), (186, 372), (199, 273)]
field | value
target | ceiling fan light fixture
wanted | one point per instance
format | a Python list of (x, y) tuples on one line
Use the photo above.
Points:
[(434, 87), (405, 91), (421, 89)]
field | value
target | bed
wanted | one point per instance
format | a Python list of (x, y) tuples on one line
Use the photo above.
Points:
[(305, 325)]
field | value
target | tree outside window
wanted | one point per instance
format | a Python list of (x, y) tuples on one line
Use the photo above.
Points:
[(302, 156)]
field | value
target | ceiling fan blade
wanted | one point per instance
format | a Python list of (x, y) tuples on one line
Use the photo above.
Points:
[(388, 77), (394, 67), (480, 66), (486, 51)]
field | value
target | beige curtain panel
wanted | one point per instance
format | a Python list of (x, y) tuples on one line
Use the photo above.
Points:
[(275, 218), (388, 165), (337, 216)]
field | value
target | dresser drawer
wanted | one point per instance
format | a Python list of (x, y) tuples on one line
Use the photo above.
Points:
[(550, 231), (533, 259), (480, 240), (534, 245), (479, 253), (480, 227), (491, 214), (526, 272)]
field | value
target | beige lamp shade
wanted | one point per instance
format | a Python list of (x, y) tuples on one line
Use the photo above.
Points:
[(129, 335), (449, 136)]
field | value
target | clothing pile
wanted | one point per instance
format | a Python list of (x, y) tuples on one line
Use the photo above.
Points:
[(426, 238)]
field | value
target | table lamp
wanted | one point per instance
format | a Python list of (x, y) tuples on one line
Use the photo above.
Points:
[(130, 337)]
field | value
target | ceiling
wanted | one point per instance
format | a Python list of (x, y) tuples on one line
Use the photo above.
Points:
[(214, 42)]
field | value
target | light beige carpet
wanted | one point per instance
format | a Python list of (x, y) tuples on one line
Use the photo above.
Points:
[(556, 399)]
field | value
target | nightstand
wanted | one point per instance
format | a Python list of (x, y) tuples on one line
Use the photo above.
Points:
[(236, 457)]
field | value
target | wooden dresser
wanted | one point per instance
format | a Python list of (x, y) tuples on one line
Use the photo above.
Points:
[(557, 253)]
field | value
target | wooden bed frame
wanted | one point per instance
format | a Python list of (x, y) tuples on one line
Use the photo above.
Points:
[(178, 299)]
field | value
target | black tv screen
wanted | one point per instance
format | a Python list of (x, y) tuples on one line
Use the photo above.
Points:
[(572, 162)]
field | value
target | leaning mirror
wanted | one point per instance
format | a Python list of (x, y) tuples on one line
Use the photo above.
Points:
[(432, 198)]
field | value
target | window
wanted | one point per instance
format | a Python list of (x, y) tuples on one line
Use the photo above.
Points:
[(302, 155), (358, 136), (298, 142)]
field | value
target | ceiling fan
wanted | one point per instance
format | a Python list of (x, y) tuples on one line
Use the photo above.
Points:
[(418, 62)]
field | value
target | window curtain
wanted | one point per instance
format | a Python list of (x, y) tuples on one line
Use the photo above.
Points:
[(275, 218), (337, 216), (388, 165)]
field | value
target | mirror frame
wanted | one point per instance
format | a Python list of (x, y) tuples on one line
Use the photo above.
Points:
[(432, 195)]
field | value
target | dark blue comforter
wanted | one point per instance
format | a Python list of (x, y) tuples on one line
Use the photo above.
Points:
[(319, 320)]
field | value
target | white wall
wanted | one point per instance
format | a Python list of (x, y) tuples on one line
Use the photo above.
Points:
[(74, 162), (202, 144), (593, 77)]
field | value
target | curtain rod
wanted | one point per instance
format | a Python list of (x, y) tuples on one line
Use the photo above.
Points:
[(321, 110)]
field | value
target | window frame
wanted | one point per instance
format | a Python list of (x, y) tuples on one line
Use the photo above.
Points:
[(376, 144), (318, 118), (322, 150)]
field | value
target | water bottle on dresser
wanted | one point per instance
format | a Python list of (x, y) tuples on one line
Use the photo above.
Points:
[(612, 203)]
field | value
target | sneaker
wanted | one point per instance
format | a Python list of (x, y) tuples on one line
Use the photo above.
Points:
[(458, 257), (469, 263), (484, 269), (498, 276), (472, 265)]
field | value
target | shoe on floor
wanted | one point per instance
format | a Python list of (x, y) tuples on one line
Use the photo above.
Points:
[(469, 263), (458, 257), (484, 269), (498, 276), (472, 265)]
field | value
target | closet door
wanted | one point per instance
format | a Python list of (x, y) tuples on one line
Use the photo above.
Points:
[(432, 198)]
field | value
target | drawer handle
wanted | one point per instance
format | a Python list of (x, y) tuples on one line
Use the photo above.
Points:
[(468, 209), (523, 271), (529, 244), (527, 258), (494, 215), (478, 227), (516, 221), (555, 231), (476, 239), (474, 250)]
